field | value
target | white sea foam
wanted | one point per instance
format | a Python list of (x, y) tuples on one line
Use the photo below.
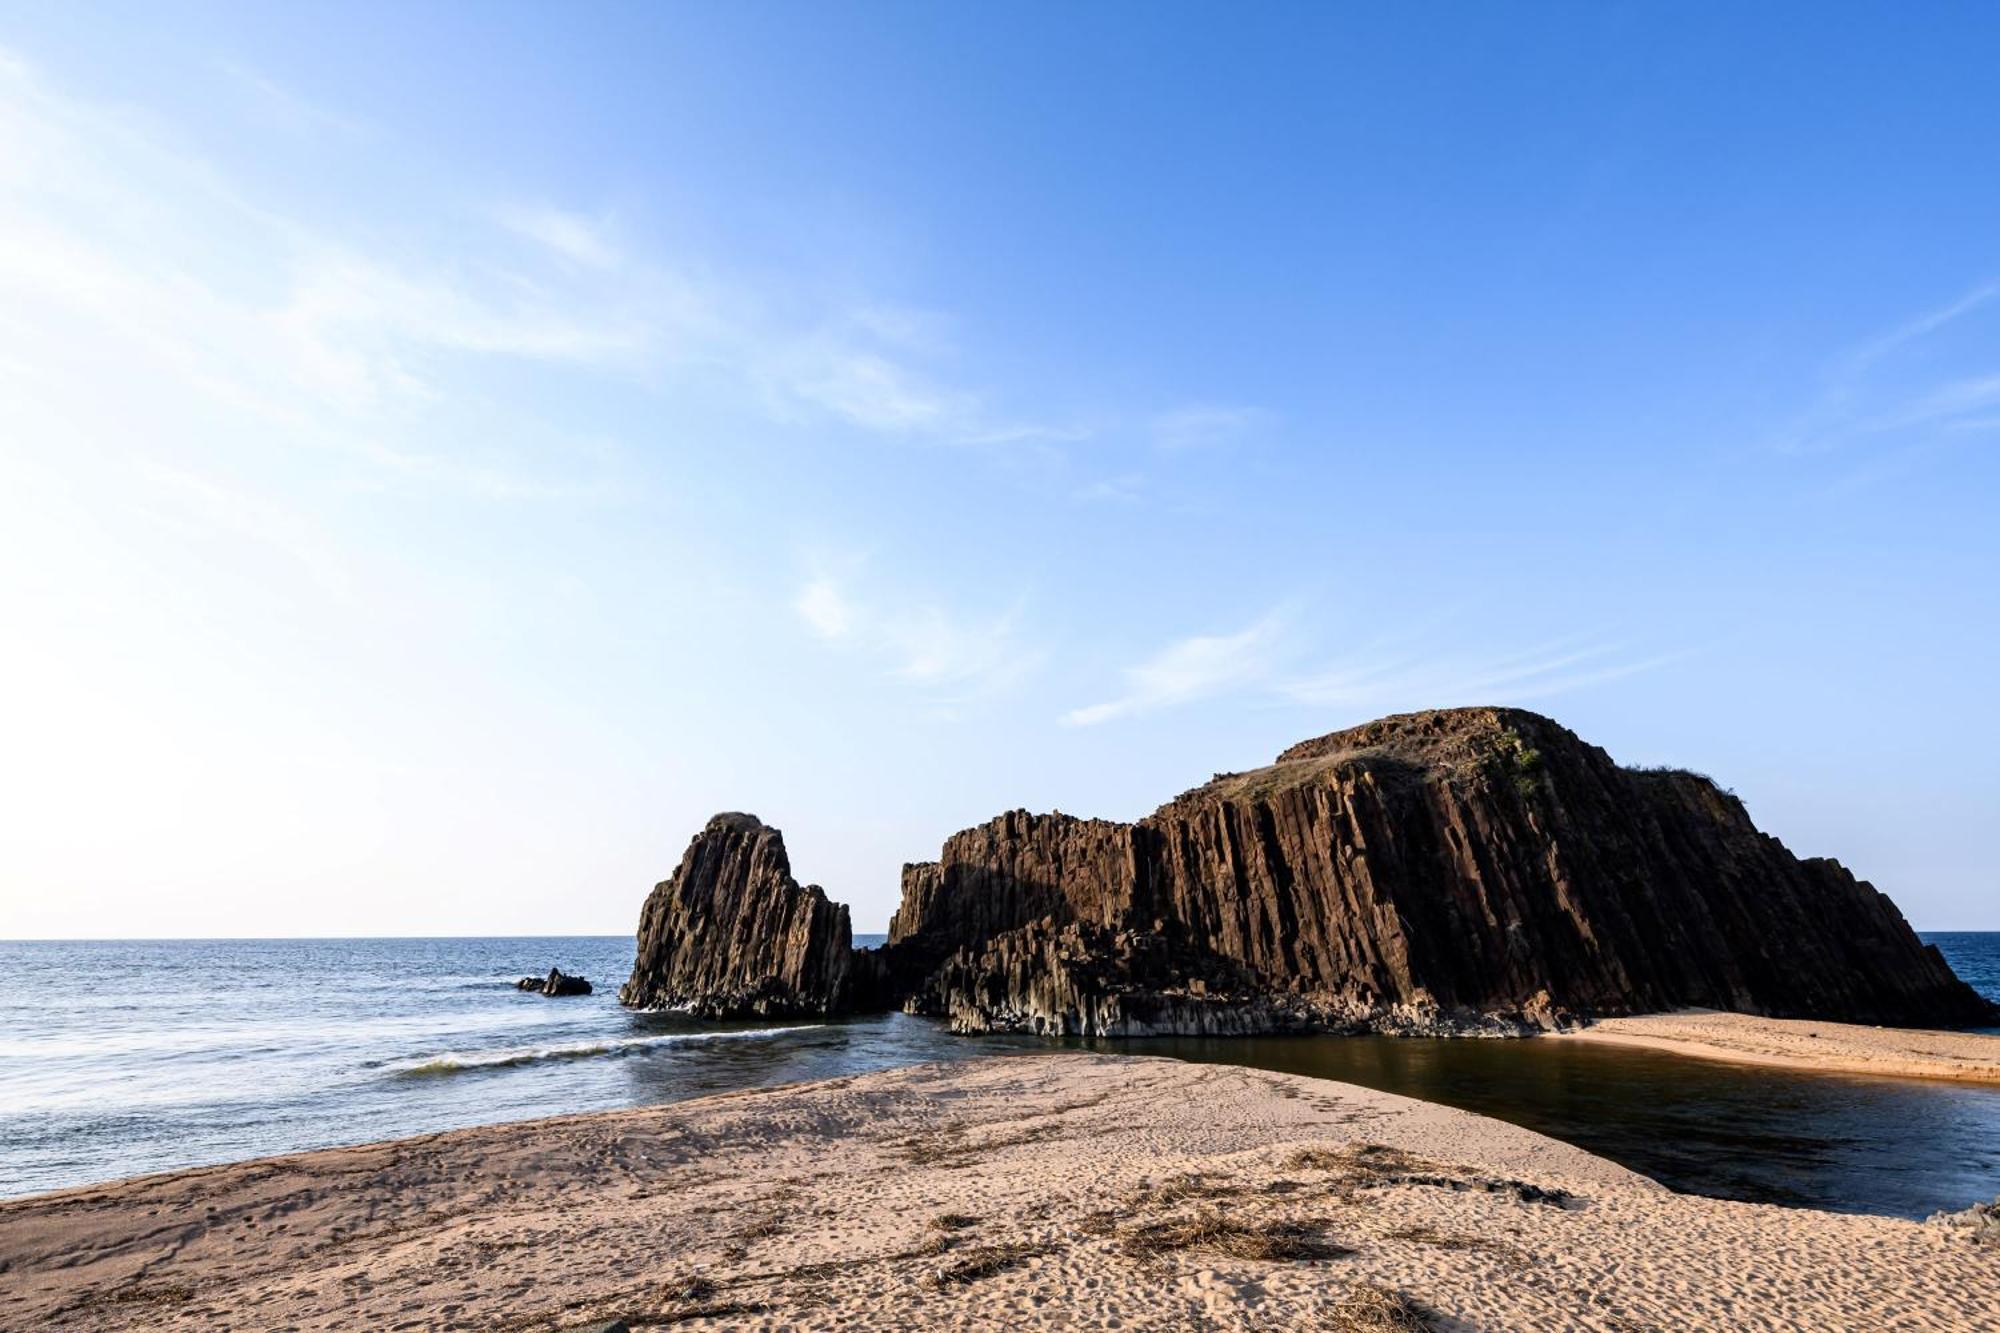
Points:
[(455, 1062)]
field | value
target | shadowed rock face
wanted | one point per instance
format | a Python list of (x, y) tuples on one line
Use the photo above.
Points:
[(733, 935), (1464, 870)]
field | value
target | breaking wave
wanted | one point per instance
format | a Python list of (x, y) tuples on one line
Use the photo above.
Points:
[(461, 1062)]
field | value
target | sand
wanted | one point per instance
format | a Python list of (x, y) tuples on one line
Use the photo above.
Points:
[(1843, 1048), (1032, 1191)]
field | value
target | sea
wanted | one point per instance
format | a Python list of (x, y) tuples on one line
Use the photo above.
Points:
[(120, 1058)]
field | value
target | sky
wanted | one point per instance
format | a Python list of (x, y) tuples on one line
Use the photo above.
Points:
[(447, 452)]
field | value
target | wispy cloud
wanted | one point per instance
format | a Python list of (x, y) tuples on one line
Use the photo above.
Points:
[(1204, 425), (278, 105), (576, 238), (207, 508), (1922, 326), (951, 658), (867, 389), (110, 221), (1126, 488), (1376, 682), (1197, 667), (1901, 395), (1268, 660), (824, 608)]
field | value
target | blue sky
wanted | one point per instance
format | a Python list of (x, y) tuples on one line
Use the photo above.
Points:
[(447, 452)]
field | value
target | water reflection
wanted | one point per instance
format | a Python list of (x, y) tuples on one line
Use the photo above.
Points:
[(1733, 1131), (830, 1050)]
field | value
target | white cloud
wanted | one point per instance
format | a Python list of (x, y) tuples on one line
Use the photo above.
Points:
[(1258, 660), (108, 220), (950, 656), (1201, 425), (1197, 667), (871, 391), (274, 104), (1927, 377), (1375, 683), (206, 508), (571, 235), (1925, 324), (1126, 488), (823, 606), (118, 243)]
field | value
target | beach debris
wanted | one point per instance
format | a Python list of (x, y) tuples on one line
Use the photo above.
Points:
[(1368, 1308), (696, 1288), (557, 982), (761, 1229), (1427, 1233), (986, 1261), (1276, 1240), (953, 1221), (1981, 1222), (1377, 1165)]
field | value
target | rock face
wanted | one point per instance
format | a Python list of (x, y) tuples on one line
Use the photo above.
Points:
[(557, 982), (733, 935), (1469, 870)]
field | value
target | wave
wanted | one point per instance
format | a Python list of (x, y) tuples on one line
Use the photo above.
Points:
[(461, 1062)]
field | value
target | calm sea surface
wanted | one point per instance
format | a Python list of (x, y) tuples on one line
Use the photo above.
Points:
[(118, 1058)]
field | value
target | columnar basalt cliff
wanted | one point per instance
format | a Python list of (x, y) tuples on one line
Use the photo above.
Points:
[(1469, 870), (733, 935)]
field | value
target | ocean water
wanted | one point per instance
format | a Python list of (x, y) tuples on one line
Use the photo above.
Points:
[(125, 1057), (120, 1058), (1974, 955)]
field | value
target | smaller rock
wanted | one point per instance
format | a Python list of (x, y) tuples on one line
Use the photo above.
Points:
[(557, 982), (1981, 1222)]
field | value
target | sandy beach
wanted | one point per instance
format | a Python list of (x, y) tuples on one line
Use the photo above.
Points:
[(1833, 1048), (1060, 1190)]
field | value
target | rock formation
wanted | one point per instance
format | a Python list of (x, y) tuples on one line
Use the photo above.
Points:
[(1457, 871), (557, 982), (1980, 1223), (733, 935)]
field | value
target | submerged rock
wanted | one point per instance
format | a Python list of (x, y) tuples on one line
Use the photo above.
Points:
[(557, 982), (1477, 870)]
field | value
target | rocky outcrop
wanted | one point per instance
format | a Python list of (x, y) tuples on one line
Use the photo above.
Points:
[(733, 935), (1469, 870), (557, 982), (1979, 1224)]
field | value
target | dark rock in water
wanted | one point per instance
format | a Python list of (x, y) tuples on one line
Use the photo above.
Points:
[(733, 935), (557, 982), (1476, 870)]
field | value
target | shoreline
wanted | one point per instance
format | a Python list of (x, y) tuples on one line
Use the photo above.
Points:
[(1804, 1044), (1034, 1190)]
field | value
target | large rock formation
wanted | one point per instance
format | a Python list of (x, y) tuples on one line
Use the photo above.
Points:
[(733, 935), (1466, 870)]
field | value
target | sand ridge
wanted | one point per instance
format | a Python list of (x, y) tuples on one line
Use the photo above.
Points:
[(1032, 1191), (1797, 1043)]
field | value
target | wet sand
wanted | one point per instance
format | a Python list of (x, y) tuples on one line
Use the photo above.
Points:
[(1034, 1191), (1842, 1048)]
